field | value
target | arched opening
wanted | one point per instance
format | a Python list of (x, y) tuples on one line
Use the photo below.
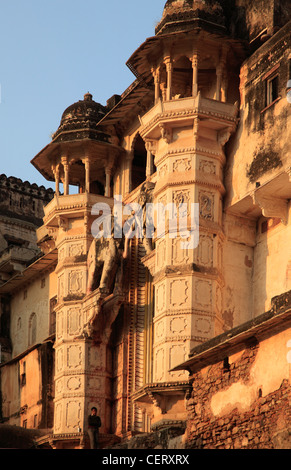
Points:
[(96, 187), (182, 78), (139, 162), (32, 330)]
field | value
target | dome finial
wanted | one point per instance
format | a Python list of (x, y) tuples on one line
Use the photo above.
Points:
[(88, 97)]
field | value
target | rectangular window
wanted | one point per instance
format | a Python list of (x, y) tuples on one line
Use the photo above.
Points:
[(272, 89)]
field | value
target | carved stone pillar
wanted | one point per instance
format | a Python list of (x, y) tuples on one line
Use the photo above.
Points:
[(219, 71), (66, 176), (128, 172), (57, 180), (169, 68), (108, 179), (87, 175), (195, 59), (156, 74)]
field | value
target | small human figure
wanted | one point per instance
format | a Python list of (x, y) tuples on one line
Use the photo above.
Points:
[(94, 423)]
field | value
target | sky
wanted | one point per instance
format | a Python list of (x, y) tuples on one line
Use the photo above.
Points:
[(52, 53)]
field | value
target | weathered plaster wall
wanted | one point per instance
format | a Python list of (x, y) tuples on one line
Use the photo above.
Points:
[(246, 405), (33, 299), (259, 149), (10, 389), (272, 256)]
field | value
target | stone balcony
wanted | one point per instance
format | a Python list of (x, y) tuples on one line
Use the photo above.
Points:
[(182, 112), (63, 208)]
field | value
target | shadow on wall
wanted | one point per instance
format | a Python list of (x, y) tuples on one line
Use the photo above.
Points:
[(15, 437)]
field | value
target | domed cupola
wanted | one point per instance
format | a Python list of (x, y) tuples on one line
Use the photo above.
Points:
[(182, 15), (80, 121)]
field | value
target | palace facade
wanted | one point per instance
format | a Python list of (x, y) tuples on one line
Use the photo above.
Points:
[(177, 345)]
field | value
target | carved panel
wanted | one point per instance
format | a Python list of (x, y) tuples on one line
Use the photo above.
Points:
[(203, 294), (74, 356), (73, 414), (179, 255), (205, 251), (59, 360), (74, 319), (159, 364), (59, 324), (181, 197), (161, 253), (62, 253), (75, 282), (74, 383), (58, 417), (159, 330), (95, 357), (182, 164), (178, 325), (163, 171), (219, 299), (179, 292), (207, 167), (206, 205), (61, 287), (203, 325), (76, 249), (177, 354), (59, 386), (160, 297)]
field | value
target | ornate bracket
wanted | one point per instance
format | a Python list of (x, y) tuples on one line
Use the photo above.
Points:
[(63, 223), (166, 133), (151, 146), (272, 206)]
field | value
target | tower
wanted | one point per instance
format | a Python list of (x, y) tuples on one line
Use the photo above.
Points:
[(194, 65), (80, 156)]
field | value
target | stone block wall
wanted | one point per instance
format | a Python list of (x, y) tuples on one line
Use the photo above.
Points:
[(264, 424)]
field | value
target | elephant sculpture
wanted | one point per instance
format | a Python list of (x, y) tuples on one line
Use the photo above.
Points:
[(106, 255), (104, 260)]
